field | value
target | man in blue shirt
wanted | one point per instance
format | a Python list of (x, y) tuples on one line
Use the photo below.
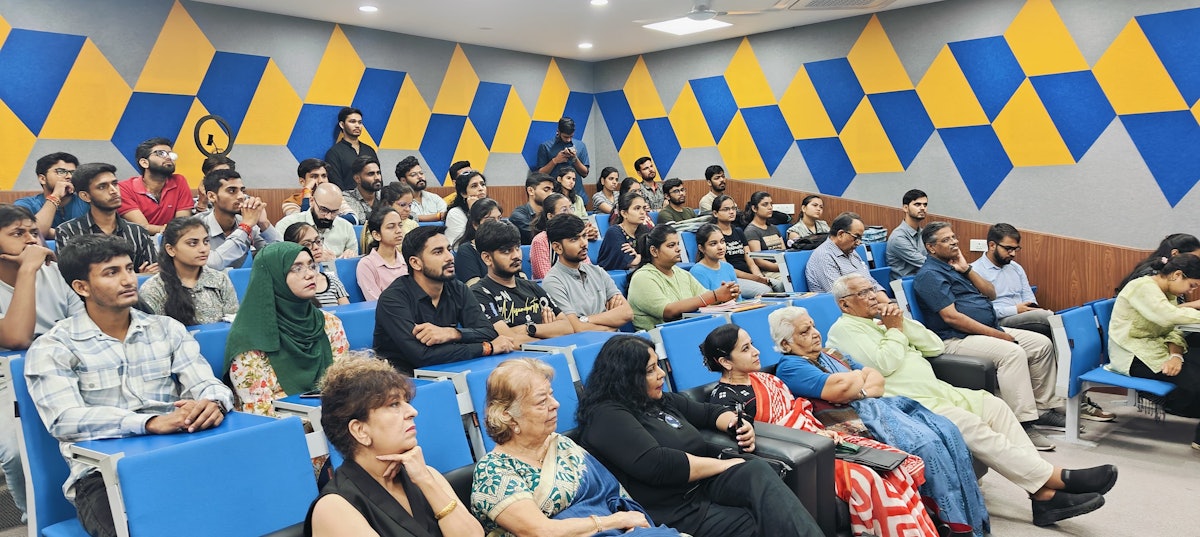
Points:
[(564, 152), (956, 302), (57, 203)]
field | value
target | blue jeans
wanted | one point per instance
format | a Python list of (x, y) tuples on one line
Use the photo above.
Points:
[(10, 450)]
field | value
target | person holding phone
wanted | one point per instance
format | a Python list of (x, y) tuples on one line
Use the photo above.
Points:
[(563, 152)]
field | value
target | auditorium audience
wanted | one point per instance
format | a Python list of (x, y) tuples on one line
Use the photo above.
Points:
[(159, 194), (749, 277), (312, 172), (810, 223), (210, 164), (660, 292), (58, 201), (605, 198), (761, 235), (618, 249), (651, 188), (563, 153), (711, 269), (468, 266), (1171, 246), (237, 222), (675, 208), (398, 196), (384, 263), (469, 187), (578, 287), (330, 289), (96, 184), (517, 307), (186, 288)]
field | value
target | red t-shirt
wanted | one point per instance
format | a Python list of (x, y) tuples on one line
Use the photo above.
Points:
[(176, 196)]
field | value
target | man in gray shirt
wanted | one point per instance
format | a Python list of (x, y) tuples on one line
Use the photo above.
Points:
[(579, 288), (905, 252)]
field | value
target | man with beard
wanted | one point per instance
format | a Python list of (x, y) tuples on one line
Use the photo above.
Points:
[(160, 194), (429, 317), (346, 147), (647, 174), (336, 233), (425, 207), (905, 253), (57, 202), (676, 197), (582, 290), (715, 175), (537, 187), (311, 172), (561, 153), (516, 307), (115, 371), (96, 184), (236, 222), (367, 181)]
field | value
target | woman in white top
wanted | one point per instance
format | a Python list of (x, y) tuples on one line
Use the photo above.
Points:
[(470, 186), (811, 208), (605, 199)]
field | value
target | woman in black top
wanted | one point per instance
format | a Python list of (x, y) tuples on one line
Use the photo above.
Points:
[(651, 442), (737, 252)]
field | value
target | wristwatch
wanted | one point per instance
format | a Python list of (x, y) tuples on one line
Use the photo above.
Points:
[(531, 329), (583, 319)]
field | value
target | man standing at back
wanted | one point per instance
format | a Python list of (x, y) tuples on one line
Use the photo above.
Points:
[(905, 252), (564, 152), (159, 195), (346, 147), (57, 202), (715, 175)]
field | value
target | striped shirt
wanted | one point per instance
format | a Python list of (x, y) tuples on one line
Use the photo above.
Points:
[(89, 386), (144, 250)]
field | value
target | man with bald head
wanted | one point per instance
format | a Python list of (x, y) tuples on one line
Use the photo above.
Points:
[(337, 233)]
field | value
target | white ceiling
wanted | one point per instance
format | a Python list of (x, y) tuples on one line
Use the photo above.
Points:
[(554, 27)]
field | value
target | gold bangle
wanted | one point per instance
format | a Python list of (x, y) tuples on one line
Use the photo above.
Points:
[(596, 521), (446, 510)]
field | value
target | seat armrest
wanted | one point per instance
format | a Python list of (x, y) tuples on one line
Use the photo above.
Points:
[(460, 480), (966, 371)]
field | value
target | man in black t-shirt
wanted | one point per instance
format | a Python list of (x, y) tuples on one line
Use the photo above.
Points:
[(516, 307)]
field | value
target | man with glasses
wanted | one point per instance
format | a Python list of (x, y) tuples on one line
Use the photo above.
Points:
[(312, 172), (715, 175), (676, 197), (838, 256), (426, 207), (955, 300), (57, 202), (337, 233), (159, 194), (905, 253)]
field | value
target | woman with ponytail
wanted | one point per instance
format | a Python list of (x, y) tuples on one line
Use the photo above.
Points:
[(185, 289)]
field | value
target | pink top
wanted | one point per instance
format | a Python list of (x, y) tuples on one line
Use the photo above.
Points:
[(375, 274), (176, 196)]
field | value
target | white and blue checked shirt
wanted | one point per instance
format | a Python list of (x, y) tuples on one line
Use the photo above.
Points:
[(89, 386)]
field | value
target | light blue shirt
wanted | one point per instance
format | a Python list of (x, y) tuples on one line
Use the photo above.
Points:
[(711, 279), (1012, 286)]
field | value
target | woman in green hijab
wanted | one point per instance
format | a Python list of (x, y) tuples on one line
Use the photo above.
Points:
[(281, 342)]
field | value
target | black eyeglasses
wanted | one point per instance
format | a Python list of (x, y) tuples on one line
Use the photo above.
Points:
[(1010, 248)]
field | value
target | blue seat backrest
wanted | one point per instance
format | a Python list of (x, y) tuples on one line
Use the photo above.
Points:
[(796, 262), (783, 229), (681, 343), (347, 271), (914, 308), (440, 430), (620, 279), (823, 309), (754, 322), (1084, 340), (47, 470), (653, 216), (526, 261), (142, 279), (240, 277), (563, 386), (602, 223), (358, 233), (585, 359), (274, 452), (689, 245), (862, 252), (878, 254), (52, 245), (212, 347), (359, 325), (1103, 310)]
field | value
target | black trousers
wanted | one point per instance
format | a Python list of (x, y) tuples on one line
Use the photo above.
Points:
[(750, 500), (91, 501), (1184, 400)]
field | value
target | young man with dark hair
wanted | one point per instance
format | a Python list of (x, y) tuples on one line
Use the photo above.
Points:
[(312, 172), (647, 175), (57, 202), (33, 295), (426, 207), (580, 289), (346, 147), (715, 175), (457, 168), (210, 164), (237, 221), (368, 180), (96, 183), (517, 307), (537, 187), (429, 317), (905, 252), (563, 153), (675, 210), (160, 194), (337, 233), (115, 371)]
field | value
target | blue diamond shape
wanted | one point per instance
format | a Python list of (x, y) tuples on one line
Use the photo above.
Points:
[(229, 86), (440, 142), (487, 108), (980, 159), (991, 69), (35, 66), (1169, 143), (661, 141), (313, 133), (376, 96), (579, 108), (539, 131), (904, 120), (838, 88), (1173, 37), (716, 103), (1078, 107), (828, 163), (770, 133), (617, 115), (149, 115)]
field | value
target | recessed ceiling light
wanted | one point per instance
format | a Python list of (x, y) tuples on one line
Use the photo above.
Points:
[(368, 9), (585, 45), (685, 26), (599, 2)]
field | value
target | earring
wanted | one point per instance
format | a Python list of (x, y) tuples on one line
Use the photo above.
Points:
[(516, 429)]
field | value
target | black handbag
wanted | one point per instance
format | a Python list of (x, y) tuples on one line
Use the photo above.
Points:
[(780, 467), (875, 459)]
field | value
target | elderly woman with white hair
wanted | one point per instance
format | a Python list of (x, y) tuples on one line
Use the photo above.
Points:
[(538, 482), (849, 397)]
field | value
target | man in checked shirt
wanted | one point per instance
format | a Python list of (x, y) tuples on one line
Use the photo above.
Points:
[(115, 371)]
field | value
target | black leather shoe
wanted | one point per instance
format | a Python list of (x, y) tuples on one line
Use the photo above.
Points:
[(1099, 479), (1064, 505)]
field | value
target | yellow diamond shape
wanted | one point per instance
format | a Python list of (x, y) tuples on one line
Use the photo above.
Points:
[(746, 79), (738, 150), (1041, 42), (867, 144), (634, 148), (338, 74), (1133, 78), (273, 110), (876, 63), (4, 29), (179, 59), (947, 96), (514, 125), (458, 86), (1027, 133), (642, 95), (91, 101), (17, 142), (688, 121), (470, 148), (803, 111), (552, 100), (410, 117)]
